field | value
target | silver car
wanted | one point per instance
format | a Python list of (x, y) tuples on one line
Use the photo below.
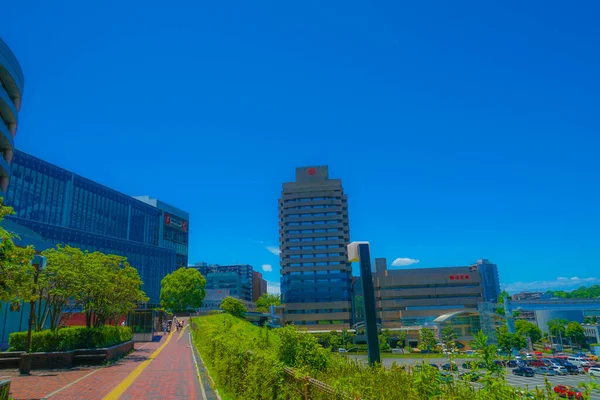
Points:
[(559, 370)]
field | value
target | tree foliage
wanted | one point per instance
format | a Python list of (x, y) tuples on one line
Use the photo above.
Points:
[(449, 337), (576, 333), (16, 271), (60, 285), (233, 306), (427, 341), (384, 340), (557, 327), (500, 310), (511, 341), (112, 288), (584, 292), (182, 289), (267, 300), (528, 329)]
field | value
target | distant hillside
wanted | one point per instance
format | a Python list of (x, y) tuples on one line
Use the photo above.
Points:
[(583, 292)]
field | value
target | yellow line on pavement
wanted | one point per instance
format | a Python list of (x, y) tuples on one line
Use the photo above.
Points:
[(181, 334), (125, 383)]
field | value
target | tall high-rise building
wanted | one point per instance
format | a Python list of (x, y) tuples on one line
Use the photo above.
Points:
[(11, 91), (313, 236)]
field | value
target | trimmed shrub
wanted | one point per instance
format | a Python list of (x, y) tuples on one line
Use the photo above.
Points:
[(71, 338)]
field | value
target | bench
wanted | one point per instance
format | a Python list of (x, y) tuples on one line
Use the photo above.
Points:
[(4, 389)]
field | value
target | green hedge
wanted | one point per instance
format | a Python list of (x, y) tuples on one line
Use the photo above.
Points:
[(71, 338)]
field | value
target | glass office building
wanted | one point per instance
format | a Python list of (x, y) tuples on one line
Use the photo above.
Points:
[(174, 229), (237, 279), (11, 91), (65, 208)]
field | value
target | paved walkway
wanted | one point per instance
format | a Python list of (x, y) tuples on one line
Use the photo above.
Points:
[(157, 370)]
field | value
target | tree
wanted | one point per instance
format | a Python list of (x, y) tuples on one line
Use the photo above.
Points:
[(401, 335), (511, 341), (486, 352), (428, 341), (500, 310), (112, 288), (182, 289), (583, 292), (233, 306), (16, 271), (59, 284), (346, 337), (264, 302), (576, 333), (384, 340), (528, 329), (556, 327), (449, 337)]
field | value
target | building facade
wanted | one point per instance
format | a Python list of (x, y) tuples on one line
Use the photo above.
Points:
[(313, 235), (237, 279), (173, 232), (259, 285), (65, 208), (11, 92), (420, 296)]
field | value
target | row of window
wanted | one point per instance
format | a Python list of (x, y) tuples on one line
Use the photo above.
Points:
[(318, 247), (312, 215), (317, 311), (309, 199), (318, 264), (316, 230), (314, 239)]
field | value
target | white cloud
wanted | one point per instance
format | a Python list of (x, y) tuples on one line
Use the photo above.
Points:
[(403, 262), (560, 283), (273, 287), (267, 267), (274, 250)]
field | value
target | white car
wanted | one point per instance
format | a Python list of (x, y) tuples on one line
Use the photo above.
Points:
[(529, 356), (560, 370), (594, 371), (342, 350), (397, 351)]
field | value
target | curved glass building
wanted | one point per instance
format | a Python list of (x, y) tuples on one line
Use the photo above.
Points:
[(11, 90)]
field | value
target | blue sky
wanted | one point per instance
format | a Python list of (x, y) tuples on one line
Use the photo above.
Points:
[(461, 130)]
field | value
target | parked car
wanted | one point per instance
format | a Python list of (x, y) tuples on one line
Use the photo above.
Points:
[(523, 371), (560, 370), (470, 376), (450, 367), (571, 369), (435, 366), (568, 391), (512, 364), (536, 363), (529, 356), (544, 371), (446, 377), (397, 351), (594, 371), (473, 364), (342, 350), (469, 352)]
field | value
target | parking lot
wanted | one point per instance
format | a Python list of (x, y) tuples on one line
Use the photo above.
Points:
[(517, 381)]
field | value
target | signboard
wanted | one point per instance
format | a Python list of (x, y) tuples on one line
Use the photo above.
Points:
[(176, 222), (459, 277)]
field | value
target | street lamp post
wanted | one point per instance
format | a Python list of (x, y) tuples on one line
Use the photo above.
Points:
[(359, 251), (39, 263)]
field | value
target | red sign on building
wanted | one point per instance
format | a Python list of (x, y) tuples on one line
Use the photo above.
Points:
[(459, 277)]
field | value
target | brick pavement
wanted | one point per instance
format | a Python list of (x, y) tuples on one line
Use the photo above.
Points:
[(170, 375)]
